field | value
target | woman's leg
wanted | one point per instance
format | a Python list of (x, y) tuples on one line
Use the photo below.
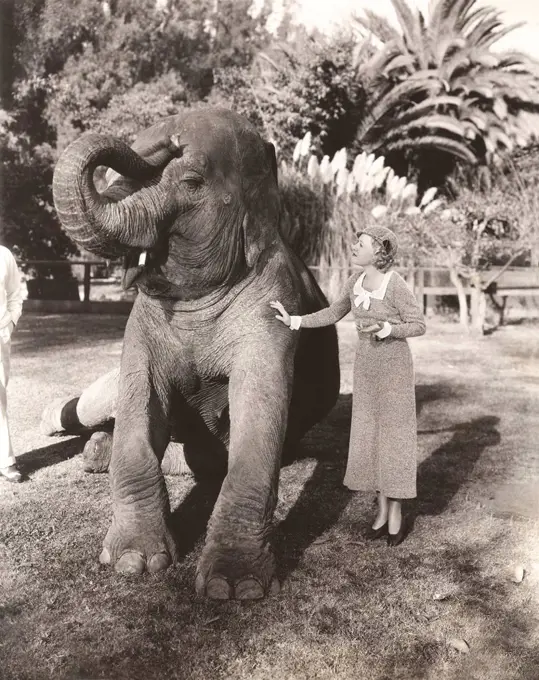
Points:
[(381, 517), (394, 515)]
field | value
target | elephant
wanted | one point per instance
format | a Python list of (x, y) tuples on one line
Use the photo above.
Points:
[(193, 208)]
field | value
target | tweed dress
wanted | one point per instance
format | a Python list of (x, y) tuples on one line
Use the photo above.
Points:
[(382, 453)]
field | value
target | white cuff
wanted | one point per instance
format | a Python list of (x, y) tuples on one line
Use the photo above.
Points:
[(385, 331), (295, 323)]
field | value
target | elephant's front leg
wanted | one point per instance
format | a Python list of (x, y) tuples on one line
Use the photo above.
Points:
[(237, 560), (139, 538)]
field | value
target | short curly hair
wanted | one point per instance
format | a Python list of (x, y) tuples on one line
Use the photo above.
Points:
[(383, 258), (383, 255)]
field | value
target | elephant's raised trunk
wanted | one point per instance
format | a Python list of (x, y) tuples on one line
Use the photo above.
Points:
[(95, 222)]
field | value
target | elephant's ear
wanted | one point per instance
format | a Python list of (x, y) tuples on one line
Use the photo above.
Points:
[(261, 222)]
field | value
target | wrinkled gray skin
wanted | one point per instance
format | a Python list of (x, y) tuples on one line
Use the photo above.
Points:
[(204, 357)]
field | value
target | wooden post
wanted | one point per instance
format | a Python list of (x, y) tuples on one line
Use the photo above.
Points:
[(430, 300), (410, 276), (463, 304), (87, 280), (420, 287)]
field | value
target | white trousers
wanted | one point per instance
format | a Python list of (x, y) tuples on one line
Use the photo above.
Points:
[(6, 452)]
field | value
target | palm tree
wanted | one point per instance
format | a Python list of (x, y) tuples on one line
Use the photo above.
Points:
[(439, 94)]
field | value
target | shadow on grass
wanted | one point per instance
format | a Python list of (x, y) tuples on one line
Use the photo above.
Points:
[(424, 394), (323, 498), (442, 474), (61, 450), (188, 522), (164, 633)]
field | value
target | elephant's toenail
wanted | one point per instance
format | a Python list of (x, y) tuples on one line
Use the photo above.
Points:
[(159, 562), (104, 558), (218, 588), (249, 588), (130, 563)]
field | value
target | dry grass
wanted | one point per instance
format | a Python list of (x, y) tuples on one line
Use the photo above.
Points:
[(348, 609)]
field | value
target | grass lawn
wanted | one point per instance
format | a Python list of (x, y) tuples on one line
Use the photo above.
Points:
[(348, 608)]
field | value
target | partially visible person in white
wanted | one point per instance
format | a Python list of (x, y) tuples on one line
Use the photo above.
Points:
[(11, 297)]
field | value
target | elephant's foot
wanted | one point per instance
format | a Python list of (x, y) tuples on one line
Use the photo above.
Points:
[(134, 548), (244, 573), (97, 452)]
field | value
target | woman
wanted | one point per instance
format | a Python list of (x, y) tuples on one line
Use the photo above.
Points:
[(382, 455)]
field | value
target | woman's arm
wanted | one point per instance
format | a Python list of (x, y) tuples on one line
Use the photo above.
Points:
[(329, 315), (412, 321)]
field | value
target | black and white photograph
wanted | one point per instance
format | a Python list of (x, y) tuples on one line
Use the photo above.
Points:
[(269, 340)]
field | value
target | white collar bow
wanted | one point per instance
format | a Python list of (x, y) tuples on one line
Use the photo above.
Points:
[(363, 297)]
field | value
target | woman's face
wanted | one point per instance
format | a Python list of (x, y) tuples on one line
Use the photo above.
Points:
[(363, 251)]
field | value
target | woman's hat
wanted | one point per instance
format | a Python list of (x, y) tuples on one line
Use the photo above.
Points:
[(384, 236)]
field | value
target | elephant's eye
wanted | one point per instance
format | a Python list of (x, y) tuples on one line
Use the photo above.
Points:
[(192, 183)]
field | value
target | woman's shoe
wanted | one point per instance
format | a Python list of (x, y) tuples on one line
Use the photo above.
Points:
[(373, 534), (11, 473), (396, 539)]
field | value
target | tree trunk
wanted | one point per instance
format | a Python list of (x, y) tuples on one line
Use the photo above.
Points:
[(463, 305), (478, 306)]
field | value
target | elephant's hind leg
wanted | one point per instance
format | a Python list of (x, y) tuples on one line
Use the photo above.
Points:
[(95, 407)]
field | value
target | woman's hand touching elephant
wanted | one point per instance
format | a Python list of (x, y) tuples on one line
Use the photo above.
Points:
[(283, 315)]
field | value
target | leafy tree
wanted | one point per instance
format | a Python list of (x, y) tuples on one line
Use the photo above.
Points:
[(299, 85), (29, 225), (141, 51), (134, 47), (140, 106), (438, 94)]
